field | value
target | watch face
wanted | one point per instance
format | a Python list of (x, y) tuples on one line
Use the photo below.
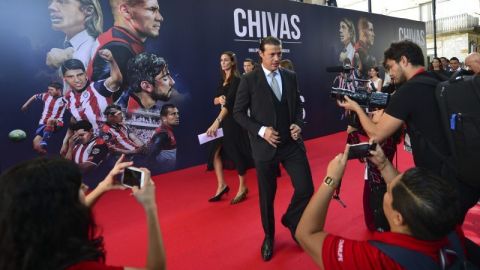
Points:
[(328, 180)]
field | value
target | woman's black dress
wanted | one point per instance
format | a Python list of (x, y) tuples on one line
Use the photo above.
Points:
[(235, 146)]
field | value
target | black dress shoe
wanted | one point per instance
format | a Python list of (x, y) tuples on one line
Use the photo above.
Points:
[(217, 197), (267, 248), (291, 228)]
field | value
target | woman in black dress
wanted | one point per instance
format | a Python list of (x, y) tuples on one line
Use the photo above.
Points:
[(232, 150)]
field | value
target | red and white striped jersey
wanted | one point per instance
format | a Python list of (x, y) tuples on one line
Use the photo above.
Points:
[(94, 151), (116, 137), (90, 103), (53, 108)]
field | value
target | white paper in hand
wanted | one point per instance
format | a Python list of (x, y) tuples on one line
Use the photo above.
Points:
[(203, 138)]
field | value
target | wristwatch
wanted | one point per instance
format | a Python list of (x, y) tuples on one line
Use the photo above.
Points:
[(329, 181)]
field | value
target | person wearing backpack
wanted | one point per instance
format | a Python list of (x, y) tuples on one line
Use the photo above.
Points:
[(420, 208), (413, 104)]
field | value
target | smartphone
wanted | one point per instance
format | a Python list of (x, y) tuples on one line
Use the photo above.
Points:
[(360, 150), (133, 176)]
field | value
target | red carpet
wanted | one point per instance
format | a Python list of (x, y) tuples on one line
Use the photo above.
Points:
[(203, 235)]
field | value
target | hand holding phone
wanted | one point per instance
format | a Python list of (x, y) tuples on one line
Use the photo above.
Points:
[(360, 150), (133, 176)]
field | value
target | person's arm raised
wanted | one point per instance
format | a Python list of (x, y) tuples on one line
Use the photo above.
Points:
[(113, 82), (310, 233), (27, 103), (146, 197), (109, 183), (383, 164), (386, 126)]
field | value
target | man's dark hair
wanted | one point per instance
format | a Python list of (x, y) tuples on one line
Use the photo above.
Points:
[(144, 67), (56, 85), (165, 107), (406, 48), (454, 59), (134, 2), (269, 40), (43, 223), (72, 64), (250, 60), (428, 204), (112, 108), (82, 124), (288, 64)]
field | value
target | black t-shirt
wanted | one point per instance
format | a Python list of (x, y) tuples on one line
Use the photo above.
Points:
[(414, 103)]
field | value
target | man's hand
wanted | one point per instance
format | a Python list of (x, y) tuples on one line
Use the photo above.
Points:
[(106, 54), (73, 139), (377, 156), (295, 132), (337, 165), (271, 136), (349, 104), (56, 56), (222, 100), (343, 56)]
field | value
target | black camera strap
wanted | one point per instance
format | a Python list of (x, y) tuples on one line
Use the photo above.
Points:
[(336, 196)]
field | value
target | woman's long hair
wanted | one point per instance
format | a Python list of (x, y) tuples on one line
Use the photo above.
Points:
[(43, 223), (234, 70)]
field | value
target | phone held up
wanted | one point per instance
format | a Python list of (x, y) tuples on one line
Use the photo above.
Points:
[(360, 150), (133, 176)]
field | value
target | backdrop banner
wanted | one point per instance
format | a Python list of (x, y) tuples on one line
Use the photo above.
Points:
[(184, 40)]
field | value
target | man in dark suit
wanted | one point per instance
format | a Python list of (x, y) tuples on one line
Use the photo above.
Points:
[(274, 127)]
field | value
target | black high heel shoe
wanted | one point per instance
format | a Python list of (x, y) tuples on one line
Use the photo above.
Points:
[(217, 197), (240, 198)]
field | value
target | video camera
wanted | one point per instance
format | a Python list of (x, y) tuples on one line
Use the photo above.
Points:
[(348, 85)]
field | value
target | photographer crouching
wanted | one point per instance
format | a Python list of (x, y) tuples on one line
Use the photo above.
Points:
[(419, 206)]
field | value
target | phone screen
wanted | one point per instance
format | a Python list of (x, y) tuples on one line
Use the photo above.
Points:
[(360, 150), (132, 177)]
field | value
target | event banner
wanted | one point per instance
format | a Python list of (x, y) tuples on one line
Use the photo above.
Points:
[(90, 80)]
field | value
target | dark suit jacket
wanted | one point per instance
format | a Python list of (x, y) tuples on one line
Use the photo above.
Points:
[(255, 93)]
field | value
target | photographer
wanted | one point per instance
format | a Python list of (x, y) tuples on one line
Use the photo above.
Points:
[(413, 104), (418, 206), (46, 221)]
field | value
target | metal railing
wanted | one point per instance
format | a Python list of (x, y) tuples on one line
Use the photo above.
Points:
[(453, 23)]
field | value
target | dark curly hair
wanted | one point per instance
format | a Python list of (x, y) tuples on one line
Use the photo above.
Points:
[(43, 223), (144, 67), (406, 48)]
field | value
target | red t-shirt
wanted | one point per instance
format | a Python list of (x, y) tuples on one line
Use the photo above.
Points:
[(341, 253), (92, 265)]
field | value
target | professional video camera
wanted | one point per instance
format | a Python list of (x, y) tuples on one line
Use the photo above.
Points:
[(346, 84)]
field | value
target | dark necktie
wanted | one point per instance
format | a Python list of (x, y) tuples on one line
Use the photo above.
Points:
[(67, 44)]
